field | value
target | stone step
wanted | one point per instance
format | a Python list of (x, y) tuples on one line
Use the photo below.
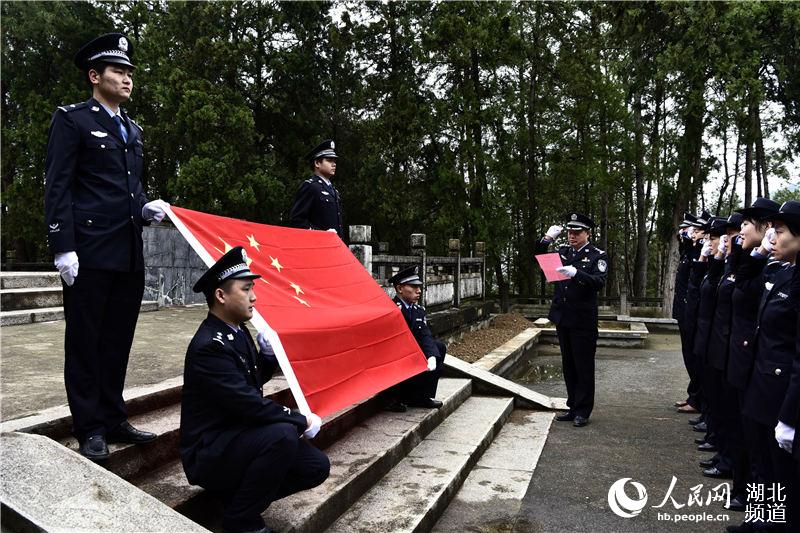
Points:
[(48, 314), (29, 280), (30, 298), (360, 456), (415, 493), (491, 496)]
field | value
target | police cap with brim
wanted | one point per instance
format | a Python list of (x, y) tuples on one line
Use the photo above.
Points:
[(577, 221), (108, 48), (232, 265), (734, 221), (716, 226), (762, 208), (325, 149), (691, 220), (789, 213), (407, 276), (704, 217)]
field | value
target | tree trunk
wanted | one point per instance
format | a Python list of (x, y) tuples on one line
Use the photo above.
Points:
[(640, 264)]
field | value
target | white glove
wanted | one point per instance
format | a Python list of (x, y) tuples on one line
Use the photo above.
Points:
[(784, 434), (768, 242), (705, 251), (331, 230), (263, 344), (155, 210), (553, 232), (67, 265), (739, 240), (568, 271), (314, 424), (723, 244), (431, 364)]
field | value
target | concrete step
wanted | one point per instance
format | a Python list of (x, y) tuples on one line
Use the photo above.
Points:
[(29, 280), (491, 496), (48, 314), (30, 298), (415, 493)]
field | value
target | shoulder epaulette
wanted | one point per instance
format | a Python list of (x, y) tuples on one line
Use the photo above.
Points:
[(135, 124), (72, 107)]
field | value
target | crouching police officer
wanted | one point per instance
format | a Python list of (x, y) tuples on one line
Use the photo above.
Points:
[(239, 445), (419, 390), (574, 312)]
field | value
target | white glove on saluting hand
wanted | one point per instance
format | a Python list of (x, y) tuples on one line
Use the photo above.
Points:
[(314, 424), (784, 434), (723, 245), (568, 271), (263, 344), (768, 242), (155, 210), (705, 251), (431, 364), (553, 232), (67, 265)]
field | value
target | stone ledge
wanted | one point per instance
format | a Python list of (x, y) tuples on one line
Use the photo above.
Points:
[(47, 487), (503, 358)]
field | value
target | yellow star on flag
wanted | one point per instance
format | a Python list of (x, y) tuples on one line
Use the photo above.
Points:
[(296, 288), (253, 242), (302, 301), (276, 263), (228, 248)]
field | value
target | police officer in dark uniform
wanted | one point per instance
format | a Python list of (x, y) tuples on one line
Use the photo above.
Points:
[(95, 207), (685, 245), (574, 312), (419, 390), (317, 204), (239, 445)]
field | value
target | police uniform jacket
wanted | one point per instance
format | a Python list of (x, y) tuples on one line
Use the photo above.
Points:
[(575, 300), (93, 188), (776, 338), (682, 278), (750, 278), (719, 338), (418, 324), (790, 410), (222, 395), (699, 269), (317, 206), (706, 306)]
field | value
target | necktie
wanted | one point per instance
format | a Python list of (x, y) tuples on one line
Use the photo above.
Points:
[(122, 129)]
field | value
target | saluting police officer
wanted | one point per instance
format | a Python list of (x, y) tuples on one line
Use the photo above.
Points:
[(574, 312), (419, 390), (317, 204), (241, 446), (95, 207)]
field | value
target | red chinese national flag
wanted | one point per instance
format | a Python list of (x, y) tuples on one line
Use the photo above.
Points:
[(338, 337)]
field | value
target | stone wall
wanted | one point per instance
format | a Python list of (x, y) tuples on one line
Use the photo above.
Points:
[(171, 267)]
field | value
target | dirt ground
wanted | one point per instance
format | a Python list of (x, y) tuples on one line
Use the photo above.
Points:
[(476, 344)]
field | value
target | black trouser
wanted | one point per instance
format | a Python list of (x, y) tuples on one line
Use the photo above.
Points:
[(693, 369), (101, 309), (261, 465), (730, 421), (578, 347), (422, 386)]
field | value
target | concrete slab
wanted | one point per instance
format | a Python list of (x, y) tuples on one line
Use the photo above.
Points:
[(503, 358), (493, 492), (414, 494), (46, 486), (23, 280), (485, 382), (30, 298)]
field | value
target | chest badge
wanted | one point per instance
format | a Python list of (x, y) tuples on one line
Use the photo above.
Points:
[(100, 134)]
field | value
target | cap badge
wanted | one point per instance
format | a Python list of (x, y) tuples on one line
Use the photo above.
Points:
[(333, 145), (123, 44), (244, 256), (574, 217)]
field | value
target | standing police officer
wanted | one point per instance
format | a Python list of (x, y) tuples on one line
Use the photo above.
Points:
[(317, 204), (95, 207), (574, 312), (245, 448), (419, 390)]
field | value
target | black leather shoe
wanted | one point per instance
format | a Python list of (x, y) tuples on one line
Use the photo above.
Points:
[(428, 403), (717, 473), (126, 433), (695, 421), (699, 440), (737, 504), (396, 406), (580, 421), (707, 447), (566, 417), (94, 448), (701, 427), (708, 463)]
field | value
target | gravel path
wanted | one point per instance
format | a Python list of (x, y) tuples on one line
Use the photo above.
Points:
[(476, 344)]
